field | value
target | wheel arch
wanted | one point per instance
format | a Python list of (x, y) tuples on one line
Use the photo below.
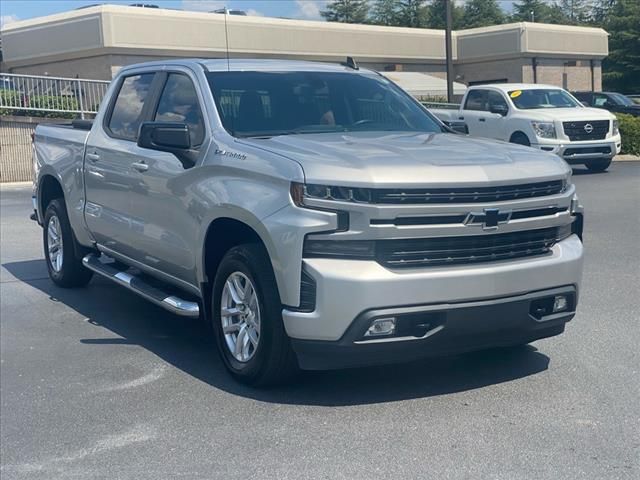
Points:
[(49, 188)]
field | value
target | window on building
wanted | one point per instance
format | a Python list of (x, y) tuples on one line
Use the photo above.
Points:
[(179, 103), (127, 110)]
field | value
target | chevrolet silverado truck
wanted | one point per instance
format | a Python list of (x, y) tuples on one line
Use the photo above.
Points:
[(315, 216), (541, 116)]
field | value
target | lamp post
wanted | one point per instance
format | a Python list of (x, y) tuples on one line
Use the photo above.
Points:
[(448, 48)]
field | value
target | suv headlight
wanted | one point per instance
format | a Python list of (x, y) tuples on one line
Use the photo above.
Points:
[(544, 129), (615, 128)]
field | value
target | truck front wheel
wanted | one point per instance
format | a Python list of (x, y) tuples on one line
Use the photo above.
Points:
[(65, 269), (247, 318), (599, 165), (520, 138)]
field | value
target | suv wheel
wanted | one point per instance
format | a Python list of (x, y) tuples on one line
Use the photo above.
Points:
[(598, 165), (247, 318), (65, 269)]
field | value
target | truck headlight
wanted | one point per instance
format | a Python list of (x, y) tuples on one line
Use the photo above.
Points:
[(300, 192), (615, 128), (544, 129)]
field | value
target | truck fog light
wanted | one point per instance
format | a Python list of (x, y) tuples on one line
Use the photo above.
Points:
[(560, 303), (381, 326)]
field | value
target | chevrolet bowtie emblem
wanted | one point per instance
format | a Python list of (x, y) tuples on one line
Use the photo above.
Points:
[(490, 218)]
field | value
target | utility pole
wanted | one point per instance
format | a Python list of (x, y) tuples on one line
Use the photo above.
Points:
[(448, 48)]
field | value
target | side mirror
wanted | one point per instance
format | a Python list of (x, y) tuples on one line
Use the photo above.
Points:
[(168, 137), (499, 108), (458, 127)]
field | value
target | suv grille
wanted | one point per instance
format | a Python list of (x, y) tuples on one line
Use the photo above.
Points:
[(594, 130), (467, 195), (466, 249)]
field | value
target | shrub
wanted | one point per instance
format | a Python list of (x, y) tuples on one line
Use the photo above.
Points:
[(18, 99), (630, 133)]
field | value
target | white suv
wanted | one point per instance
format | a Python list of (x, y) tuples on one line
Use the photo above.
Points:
[(541, 116)]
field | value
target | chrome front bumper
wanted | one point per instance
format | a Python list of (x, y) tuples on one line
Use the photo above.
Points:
[(346, 288)]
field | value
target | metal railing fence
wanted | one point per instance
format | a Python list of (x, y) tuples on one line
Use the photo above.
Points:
[(441, 105), (43, 96)]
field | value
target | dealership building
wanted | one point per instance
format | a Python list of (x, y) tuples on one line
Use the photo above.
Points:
[(95, 42)]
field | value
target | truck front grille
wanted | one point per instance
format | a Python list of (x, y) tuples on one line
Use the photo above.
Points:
[(407, 253), (593, 130), (467, 194)]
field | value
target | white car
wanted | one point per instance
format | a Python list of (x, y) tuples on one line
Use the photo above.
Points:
[(541, 116)]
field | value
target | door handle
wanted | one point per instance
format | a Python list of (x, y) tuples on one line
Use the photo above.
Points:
[(140, 166), (481, 119), (460, 118), (93, 157)]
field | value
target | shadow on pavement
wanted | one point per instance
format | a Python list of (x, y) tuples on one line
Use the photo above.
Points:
[(186, 344)]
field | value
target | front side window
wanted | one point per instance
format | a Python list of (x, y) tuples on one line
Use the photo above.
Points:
[(280, 103), (495, 99), (127, 110), (179, 103), (542, 98)]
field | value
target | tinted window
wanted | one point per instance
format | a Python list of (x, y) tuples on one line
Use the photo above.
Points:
[(542, 98), (127, 111), (179, 103), (476, 100), (270, 103), (600, 100), (495, 98)]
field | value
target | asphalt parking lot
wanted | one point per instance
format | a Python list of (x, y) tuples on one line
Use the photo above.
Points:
[(97, 383)]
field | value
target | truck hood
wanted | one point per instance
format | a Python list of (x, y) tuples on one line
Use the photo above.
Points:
[(383, 159), (569, 114)]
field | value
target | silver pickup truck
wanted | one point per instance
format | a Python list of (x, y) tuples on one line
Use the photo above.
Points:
[(316, 216)]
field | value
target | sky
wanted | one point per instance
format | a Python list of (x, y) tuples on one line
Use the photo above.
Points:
[(13, 10)]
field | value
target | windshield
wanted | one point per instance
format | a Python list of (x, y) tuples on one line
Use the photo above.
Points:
[(542, 98), (622, 99), (264, 104)]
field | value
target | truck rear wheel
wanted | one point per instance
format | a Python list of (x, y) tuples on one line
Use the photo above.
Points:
[(65, 269), (247, 319), (599, 165)]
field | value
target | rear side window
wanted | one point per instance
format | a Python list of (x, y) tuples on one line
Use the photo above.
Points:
[(476, 100), (127, 110), (179, 103)]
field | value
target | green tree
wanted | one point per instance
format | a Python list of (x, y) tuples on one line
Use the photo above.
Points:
[(482, 13), (537, 10), (437, 14), (385, 12), (346, 11), (576, 12), (413, 13), (621, 69)]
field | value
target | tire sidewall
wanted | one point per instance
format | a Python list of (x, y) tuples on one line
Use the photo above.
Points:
[(56, 207), (242, 259)]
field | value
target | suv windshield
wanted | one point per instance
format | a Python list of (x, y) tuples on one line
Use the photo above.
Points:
[(542, 98), (264, 104)]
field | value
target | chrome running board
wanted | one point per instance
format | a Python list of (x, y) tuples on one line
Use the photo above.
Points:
[(137, 285)]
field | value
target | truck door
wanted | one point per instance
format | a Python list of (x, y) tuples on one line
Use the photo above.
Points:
[(111, 153), (474, 111), (495, 124), (162, 202)]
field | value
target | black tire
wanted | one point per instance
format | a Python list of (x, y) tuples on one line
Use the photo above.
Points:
[(520, 138), (273, 361), (598, 165), (69, 272)]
